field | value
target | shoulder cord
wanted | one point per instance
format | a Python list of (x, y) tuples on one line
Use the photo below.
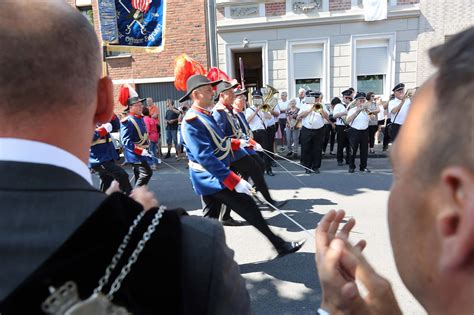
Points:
[(222, 144), (143, 138), (237, 131), (248, 131)]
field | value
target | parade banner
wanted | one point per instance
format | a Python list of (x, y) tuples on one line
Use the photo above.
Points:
[(130, 25)]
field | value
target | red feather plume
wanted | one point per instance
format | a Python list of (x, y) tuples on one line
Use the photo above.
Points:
[(124, 94), (185, 67), (215, 74)]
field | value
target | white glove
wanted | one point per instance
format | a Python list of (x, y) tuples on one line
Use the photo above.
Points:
[(257, 147), (145, 152), (244, 143), (108, 127), (243, 187)]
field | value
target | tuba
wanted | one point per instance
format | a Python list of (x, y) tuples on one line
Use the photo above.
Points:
[(270, 92)]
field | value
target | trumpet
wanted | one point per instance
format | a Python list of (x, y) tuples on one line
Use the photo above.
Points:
[(409, 93), (317, 107)]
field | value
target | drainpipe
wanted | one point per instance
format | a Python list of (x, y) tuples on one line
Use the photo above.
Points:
[(211, 33)]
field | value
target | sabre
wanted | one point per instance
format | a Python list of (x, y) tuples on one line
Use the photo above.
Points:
[(284, 158), (284, 214), (169, 165), (281, 165)]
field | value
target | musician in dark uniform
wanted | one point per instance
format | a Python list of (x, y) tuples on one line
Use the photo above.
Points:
[(358, 133), (257, 121), (340, 114), (209, 162), (103, 155), (312, 132), (134, 137)]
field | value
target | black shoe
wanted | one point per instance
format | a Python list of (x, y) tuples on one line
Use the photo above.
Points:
[(308, 172), (332, 153), (340, 164), (279, 204), (289, 154), (316, 171), (270, 173), (385, 149), (347, 163), (167, 156), (351, 170), (290, 247), (366, 170), (232, 222)]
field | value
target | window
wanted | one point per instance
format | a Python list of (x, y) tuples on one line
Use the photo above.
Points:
[(372, 66), (308, 70), (87, 12)]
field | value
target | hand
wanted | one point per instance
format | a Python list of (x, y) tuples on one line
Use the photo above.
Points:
[(114, 187), (244, 143), (146, 153), (329, 248), (243, 187), (257, 147), (379, 299), (144, 197), (108, 127)]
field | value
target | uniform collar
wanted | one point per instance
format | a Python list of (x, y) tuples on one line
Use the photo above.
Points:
[(136, 116), (201, 110)]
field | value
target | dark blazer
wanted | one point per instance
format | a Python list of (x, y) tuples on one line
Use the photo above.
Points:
[(41, 206)]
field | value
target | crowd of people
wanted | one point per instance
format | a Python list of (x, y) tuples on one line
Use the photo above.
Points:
[(68, 248)]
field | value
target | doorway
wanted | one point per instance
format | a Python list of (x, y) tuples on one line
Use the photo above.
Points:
[(252, 63)]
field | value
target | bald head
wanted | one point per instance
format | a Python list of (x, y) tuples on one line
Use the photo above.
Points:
[(50, 60)]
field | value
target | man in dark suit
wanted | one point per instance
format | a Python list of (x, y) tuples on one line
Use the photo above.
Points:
[(51, 98)]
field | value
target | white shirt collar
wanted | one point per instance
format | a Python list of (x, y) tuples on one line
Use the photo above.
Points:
[(27, 151)]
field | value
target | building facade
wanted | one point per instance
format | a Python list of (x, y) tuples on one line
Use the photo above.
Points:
[(326, 44)]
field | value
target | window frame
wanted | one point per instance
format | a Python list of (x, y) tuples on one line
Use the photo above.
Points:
[(364, 40), (304, 45)]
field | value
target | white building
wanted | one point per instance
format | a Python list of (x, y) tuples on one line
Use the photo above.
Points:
[(326, 44)]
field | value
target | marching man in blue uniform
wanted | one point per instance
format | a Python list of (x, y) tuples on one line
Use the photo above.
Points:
[(209, 152), (103, 155), (241, 161), (134, 136)]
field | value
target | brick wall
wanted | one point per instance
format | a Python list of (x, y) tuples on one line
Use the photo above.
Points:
[(407, 1), (275, 8), (335, 5)]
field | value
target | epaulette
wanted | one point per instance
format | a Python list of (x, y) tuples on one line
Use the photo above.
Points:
[(219, 107), (190, 116)]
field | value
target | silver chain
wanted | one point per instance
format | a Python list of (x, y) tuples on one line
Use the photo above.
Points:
[(133, 257)]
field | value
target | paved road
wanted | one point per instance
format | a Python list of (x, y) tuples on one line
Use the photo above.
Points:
[(290, 285)]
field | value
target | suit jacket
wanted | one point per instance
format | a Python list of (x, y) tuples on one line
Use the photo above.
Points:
[(42, 205)]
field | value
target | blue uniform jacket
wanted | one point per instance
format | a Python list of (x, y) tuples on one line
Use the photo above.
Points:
[(134, 138), (219, 112), (244, 125), (102, 148), (214, 174)]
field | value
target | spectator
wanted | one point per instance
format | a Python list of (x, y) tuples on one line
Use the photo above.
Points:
[(171, 117), (50, 231), (283, 105), (430, 208), (153, 135), (293, 127), (373, 110)]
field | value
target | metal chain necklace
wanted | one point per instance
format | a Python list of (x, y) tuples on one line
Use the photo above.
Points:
[(65, 300)]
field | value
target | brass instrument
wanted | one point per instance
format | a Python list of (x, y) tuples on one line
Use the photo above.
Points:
[(409, 93), (317, 107), (268, 98)]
